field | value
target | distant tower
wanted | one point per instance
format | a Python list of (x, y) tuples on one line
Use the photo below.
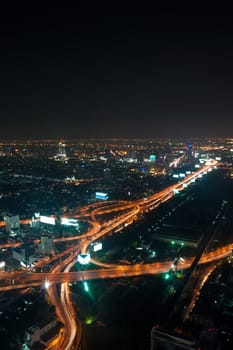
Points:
[(62, 149), (61, 155), (189, 151)]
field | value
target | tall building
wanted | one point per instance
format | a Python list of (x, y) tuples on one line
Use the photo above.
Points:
[(190, 151), (46, 245), (61, 149), (34, 334), (166, 340), (12, 223), (61, 154)]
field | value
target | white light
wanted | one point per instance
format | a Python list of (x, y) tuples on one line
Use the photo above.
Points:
[(97, 247), (46, 284), (101, 195), (84, 259), (69, 222), (2, 264), (47, 220)]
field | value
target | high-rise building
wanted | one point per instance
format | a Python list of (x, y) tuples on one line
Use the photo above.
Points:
[(189, 151), (12, 222), (61, 154), (46, 245), (165, 340), (61, 149), (33, 334)]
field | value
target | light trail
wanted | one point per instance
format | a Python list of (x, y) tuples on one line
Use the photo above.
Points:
[(60, 274)]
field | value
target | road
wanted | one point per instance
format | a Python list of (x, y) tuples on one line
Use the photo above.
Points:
[(61, 275), (23, 280)]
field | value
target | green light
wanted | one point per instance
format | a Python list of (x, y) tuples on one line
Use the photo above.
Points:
[(86, 288), (167, 276), (89, 320), (172, 242), (182, 243)]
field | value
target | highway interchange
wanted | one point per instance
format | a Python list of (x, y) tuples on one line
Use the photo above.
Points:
[(58, 278)]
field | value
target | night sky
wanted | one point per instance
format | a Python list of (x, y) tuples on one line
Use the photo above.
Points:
[(115, 72)]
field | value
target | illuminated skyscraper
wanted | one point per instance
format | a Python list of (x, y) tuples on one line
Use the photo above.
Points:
[(61, 150), (189, 151), (61, 155)]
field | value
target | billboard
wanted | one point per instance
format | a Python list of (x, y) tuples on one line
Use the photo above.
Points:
[(2, 265), (101, 195), (97, 246), (84, 259), (152, 158), (69, 222), (47, 220)]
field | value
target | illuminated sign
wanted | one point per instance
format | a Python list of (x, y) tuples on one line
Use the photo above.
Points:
[(2, 264), (97, 246), (47, 220), (84, 259), (152, 158), (101, 195), (69, 222)]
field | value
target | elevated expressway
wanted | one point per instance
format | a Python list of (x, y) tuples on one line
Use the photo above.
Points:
[(57, 279), (23, 280)]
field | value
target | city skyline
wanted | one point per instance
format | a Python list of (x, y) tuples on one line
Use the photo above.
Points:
[(102, 73)]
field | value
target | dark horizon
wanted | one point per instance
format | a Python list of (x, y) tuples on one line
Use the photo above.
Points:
[(97, 73)]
